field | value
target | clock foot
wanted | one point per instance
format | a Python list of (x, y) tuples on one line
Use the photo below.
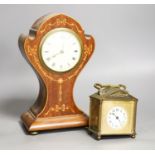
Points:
[(34, 133), (98, 137), (133, 136)]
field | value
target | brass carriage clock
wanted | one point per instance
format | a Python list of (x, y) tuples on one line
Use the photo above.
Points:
[(57, 49), (112, 111)]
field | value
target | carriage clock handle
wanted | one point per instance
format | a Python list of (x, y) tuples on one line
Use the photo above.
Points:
[(109, 89)]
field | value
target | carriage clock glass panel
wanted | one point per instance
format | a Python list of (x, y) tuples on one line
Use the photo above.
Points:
[(117, 117), (61, 49)]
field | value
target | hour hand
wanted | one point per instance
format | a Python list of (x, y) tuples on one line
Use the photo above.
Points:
[(116, 116), (61, 52)]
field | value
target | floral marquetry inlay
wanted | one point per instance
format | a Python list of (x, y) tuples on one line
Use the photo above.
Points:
[(33, 54), (63, 21), (55, 106)]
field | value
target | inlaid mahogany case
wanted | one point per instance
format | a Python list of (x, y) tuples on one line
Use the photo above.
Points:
[(55, 107)]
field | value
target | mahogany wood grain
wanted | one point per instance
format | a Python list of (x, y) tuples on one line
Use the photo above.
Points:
[(55, 107)]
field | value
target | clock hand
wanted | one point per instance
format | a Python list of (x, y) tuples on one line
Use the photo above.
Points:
[(61, 52), (116, 117)]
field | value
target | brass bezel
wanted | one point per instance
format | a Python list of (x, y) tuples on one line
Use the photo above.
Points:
[(53, 31), (130, 107)]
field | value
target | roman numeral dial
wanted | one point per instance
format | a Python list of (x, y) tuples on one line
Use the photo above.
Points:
[(61, 49)]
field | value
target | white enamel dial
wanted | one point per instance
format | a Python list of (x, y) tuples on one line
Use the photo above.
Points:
[(117, 117), (61, 49)]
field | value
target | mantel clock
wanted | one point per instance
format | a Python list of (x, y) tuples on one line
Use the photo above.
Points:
[(57, 49)]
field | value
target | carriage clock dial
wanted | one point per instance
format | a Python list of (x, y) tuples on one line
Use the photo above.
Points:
[(117, 118), (61, 49), (57, 49)]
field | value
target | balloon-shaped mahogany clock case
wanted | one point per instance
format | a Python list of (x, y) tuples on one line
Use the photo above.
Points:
[(57, 49)]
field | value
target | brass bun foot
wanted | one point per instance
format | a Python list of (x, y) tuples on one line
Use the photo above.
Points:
[(33, 133), (133, 136), (93, 134), (98, 137)]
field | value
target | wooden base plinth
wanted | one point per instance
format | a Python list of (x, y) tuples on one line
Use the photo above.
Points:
[(33, 123)]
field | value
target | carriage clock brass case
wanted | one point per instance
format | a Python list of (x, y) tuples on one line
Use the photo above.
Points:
[(103, 110)]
